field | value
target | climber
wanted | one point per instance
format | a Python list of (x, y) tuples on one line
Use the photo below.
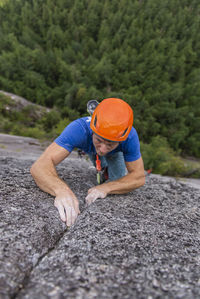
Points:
[(109, 133)]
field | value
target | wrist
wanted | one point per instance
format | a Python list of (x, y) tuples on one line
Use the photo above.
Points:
[(110, 187), (65, 190), (104, 188)]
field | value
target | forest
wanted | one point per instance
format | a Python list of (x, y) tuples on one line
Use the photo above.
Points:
[(62, 53)]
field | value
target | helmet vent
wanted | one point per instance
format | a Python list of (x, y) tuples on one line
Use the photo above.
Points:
[(95, 121), (124, 132)]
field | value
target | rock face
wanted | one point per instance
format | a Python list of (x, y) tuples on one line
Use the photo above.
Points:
[(145, 244), (22, 102)]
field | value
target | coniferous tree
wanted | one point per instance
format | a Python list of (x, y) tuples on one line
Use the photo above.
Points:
[(147, 52)]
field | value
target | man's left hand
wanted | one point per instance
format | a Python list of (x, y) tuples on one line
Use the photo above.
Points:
[(93, 194)]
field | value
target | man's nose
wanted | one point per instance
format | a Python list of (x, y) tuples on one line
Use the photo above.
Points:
[(103, 148)]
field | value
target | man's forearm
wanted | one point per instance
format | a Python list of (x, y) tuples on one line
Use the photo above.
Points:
[(47, 179), (124, 184)]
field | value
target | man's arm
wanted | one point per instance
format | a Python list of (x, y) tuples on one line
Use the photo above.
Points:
[(133, 180), (46, 177)]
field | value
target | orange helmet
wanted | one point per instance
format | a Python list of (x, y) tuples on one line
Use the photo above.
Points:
[(112, 119)]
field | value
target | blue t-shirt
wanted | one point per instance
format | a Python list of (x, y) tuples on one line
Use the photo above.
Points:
[(78, 134)]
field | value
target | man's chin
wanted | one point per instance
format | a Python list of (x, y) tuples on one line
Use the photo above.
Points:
[(100, 154)]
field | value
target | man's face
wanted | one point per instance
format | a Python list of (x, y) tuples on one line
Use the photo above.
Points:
[(103, 146)]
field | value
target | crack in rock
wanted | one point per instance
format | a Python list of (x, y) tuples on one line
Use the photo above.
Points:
[(36, 263), (144, 244)]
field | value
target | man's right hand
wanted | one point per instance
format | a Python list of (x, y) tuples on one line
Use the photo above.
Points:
[(68, 208)]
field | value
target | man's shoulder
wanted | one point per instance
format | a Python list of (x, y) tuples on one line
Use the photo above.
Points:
[(85, 119), (76, 134), (132, 135), (84, 122)]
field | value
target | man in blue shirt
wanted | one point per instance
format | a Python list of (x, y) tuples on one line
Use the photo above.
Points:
[(109, 135)]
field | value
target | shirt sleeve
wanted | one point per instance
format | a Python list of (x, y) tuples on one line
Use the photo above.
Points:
[(72, 136), (131, 148)]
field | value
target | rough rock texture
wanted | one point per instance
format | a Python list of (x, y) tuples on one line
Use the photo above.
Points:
[(145, 244)]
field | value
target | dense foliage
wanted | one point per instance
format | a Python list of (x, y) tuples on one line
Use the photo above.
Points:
[(36, 121), (64, 52)]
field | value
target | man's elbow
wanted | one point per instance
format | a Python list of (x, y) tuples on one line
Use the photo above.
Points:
[(142, 181)]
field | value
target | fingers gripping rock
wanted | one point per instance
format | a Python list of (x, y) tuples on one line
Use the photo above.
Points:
[(67, 208), (93, 194)]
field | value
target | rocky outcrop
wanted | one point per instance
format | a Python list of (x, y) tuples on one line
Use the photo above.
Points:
[(144, 244), (21, 102)]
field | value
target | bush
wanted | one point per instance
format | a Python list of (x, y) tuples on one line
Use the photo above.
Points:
[(71, 114), (5, 125), (61, 126), (159, 157), (36, 132), (50, 120)]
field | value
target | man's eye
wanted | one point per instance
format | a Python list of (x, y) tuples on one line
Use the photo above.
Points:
[(110, 145)]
